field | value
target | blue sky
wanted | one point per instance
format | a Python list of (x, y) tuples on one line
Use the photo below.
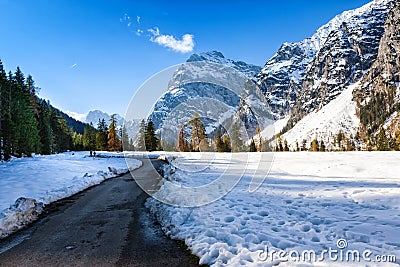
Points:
[(87, 54)]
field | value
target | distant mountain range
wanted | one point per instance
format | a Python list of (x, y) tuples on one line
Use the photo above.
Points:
[(351, 59), (94, 116), (343, 80)]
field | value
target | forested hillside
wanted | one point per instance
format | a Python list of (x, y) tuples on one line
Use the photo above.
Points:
[(29, 124)]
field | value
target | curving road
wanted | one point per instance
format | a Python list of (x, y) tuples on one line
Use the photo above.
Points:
[(106, 225)]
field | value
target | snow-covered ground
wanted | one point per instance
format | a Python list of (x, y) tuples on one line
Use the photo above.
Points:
[(26, 184), (309, 202)]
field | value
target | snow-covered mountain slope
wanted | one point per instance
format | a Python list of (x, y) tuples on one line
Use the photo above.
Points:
[(352, 84), (325, 124), (347, 53), (322, 65), (95, 115), (209, 84), (217, 57)]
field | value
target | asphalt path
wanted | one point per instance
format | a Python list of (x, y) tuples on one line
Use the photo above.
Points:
[(106, 225)]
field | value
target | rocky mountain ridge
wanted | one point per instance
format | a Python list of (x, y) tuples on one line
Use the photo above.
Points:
[(306, 75)]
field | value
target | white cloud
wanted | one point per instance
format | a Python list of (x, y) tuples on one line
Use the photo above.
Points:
[(76, 115), (185, 45), (126, 19), (155, 31), (139, 32), (138, 19)]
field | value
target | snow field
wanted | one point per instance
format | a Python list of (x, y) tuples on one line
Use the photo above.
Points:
[(309, 201), (27, 184)]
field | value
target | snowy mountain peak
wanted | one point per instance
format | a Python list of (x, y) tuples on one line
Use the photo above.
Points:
[(95, 115), (249, 70), (320, 36), (213, 56), (358, 31), (215, 82)]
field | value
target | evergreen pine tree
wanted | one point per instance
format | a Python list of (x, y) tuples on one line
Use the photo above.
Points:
[(160, 145), (125, 140), (140, 139), (322, 147), (260, 147), (28, 124), (304, 145), (102, 135), (44, 127), (150, 137), (382, 144), (339, 138), (227, 143), (219, 143), (27, 139), (253, 146), (89, 137), (297, 146), (280, 145), (286, 147), (5, 116), (77, 142)]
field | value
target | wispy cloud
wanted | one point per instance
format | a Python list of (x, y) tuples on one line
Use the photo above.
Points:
[(185, 45), (139, 32), (126, 19), (155, 31), (73, 66)]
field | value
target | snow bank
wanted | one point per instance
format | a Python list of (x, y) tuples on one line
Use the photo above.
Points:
[(27, 184), (308, 202)]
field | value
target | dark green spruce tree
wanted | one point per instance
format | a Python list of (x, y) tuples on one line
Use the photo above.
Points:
[(26, 139), (150, 137), (102, 135), (5, 115)]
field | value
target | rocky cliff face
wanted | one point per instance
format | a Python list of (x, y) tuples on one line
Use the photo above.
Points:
[(305, 76), (363, 97), (378, 97), (347, 53), (208, 83)]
